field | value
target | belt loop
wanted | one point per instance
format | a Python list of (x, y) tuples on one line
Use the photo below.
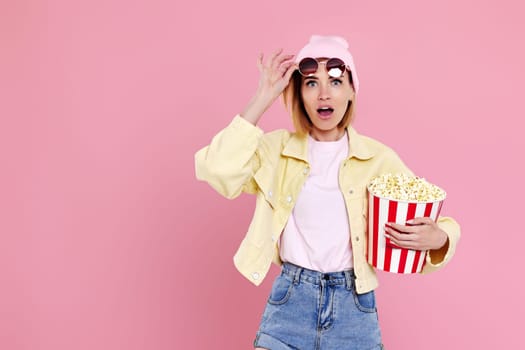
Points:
[(349, 276), (297, 275)]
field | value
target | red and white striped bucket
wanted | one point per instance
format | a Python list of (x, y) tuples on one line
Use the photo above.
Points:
[(384, 255)]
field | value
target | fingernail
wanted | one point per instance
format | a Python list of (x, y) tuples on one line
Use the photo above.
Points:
[(411, 221)]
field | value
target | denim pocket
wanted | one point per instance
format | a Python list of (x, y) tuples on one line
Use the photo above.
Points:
[(281, 291), (365, 302)]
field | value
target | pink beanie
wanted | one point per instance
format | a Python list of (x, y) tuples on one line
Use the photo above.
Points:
[(330, 46)]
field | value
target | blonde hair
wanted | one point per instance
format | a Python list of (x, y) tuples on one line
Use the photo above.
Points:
[(293, 101)]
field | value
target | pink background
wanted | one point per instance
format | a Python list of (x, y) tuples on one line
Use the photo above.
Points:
[(107, 241)]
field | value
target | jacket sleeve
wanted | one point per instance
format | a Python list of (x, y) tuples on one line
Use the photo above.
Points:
[(230, 161), (437, 258)]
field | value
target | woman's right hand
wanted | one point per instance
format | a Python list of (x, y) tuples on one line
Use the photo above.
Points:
[(275, 76)]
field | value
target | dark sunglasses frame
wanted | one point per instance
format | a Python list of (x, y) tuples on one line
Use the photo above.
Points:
[(335, 67)]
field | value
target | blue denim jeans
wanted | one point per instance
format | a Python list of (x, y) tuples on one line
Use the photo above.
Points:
[(310, 310)]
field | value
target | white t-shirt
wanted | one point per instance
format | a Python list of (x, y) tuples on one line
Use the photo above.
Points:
[(317, 234)]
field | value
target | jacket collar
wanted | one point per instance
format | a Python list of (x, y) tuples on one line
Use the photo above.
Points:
[(297, 146)]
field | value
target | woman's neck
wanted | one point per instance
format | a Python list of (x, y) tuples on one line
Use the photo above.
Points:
[(328, 135)]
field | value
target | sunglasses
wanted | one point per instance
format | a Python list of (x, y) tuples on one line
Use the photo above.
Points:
[(334, 66)]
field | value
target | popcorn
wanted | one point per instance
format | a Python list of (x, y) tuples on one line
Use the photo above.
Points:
[(398, 198), (405, 188)]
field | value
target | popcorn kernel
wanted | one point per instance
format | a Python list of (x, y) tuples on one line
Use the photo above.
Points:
[(406, 188)]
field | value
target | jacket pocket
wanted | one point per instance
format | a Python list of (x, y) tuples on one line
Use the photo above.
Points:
[(265, 179)]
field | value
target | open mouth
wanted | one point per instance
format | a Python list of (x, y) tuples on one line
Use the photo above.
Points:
[(325, 112)]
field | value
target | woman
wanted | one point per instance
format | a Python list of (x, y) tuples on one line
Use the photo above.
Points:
[(311, 209)]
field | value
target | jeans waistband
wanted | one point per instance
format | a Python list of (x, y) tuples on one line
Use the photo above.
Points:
[(300, 274)]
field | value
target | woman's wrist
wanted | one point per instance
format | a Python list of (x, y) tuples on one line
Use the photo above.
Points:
[(255, 108), (443, 241)]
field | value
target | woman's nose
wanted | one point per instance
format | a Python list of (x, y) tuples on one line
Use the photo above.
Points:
[(324, 93)]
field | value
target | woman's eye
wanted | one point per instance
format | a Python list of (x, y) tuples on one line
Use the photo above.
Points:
[(336, 82), (311, 83)]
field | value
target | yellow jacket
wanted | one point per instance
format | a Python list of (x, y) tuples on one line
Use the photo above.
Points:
[(274, 166)]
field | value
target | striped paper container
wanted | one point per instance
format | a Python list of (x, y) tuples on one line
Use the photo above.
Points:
[(383, 254)]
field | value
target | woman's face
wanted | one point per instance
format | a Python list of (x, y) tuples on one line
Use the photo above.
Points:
[(326, 100)]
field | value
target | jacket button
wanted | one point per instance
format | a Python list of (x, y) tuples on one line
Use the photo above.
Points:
[(351, 191), (357, 239), (255, 275), (270, 193), (289, 199)]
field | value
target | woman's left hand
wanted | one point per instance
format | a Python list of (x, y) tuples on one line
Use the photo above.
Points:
[(419, 234)]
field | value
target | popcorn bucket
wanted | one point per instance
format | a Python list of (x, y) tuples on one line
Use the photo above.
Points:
[(385, 255)]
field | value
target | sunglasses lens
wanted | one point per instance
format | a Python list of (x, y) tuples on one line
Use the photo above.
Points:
[(308, 66), (335, 67)]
